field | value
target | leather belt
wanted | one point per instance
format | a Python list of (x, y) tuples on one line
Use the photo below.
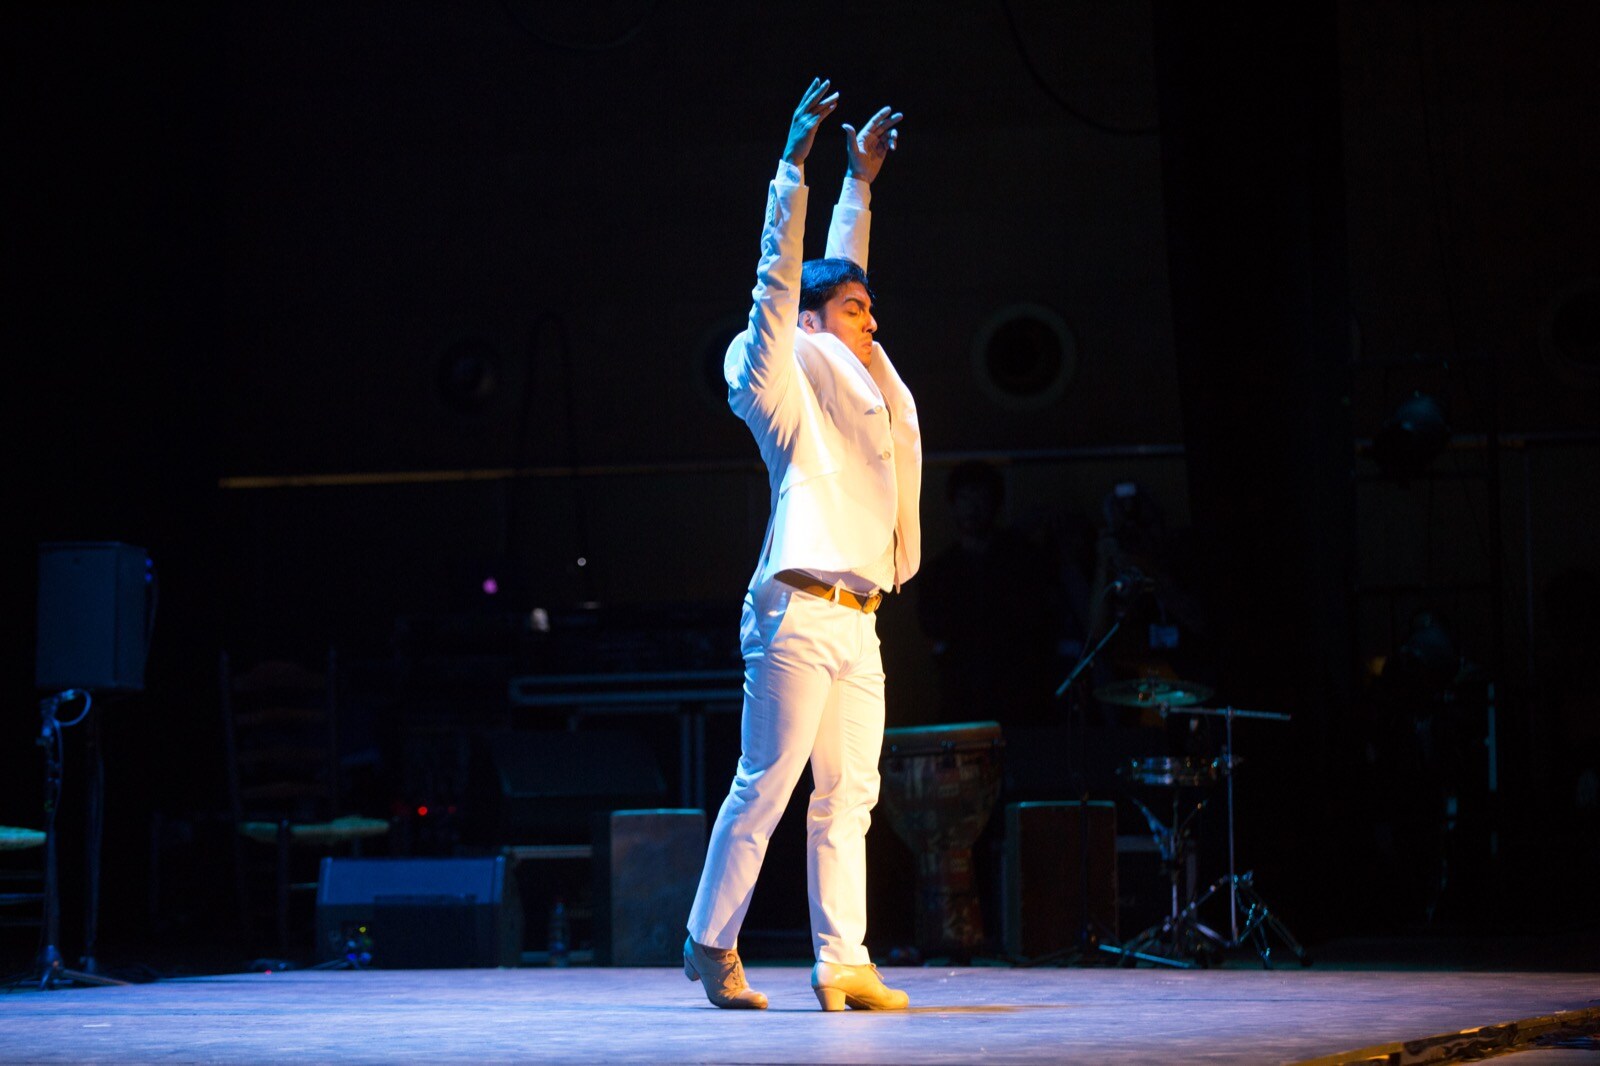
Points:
[(795, 579)]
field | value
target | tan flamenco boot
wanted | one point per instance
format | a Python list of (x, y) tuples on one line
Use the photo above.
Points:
[(722, 975), (858, 987)]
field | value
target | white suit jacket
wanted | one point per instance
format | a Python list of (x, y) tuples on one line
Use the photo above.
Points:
[(844, 458)]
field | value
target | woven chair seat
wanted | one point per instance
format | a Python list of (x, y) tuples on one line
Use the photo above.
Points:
[(14, 839), (338, 831)]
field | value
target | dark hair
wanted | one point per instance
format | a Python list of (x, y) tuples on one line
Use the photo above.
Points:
[(976, 474), (820, 279)]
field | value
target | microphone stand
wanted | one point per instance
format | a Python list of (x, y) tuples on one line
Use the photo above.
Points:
[(1085, 659), (52, 972), (1088, 940)]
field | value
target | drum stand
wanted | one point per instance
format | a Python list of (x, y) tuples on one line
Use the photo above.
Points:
[(1180, 939), (1183, 930)]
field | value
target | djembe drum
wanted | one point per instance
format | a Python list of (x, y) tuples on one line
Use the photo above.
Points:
[(939, 785)]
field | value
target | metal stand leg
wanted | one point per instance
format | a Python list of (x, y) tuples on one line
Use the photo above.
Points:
[(1180, 940), (1260, 924), (52, 972)]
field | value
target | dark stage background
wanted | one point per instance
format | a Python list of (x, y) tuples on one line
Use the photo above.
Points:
[(256, 241)]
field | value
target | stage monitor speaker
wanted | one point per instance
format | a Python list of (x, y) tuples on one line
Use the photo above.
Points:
[(94, 613), (420, 913), (646, 870), (546, 787), (1043, 876)]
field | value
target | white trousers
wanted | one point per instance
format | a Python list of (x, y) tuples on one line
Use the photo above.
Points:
[(813, 691)]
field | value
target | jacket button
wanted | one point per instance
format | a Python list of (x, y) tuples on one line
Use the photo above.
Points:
[(886, 454)]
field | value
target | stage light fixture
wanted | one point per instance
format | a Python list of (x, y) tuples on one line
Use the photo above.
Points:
[(1427, 662), (1412, 437), (469, 375)]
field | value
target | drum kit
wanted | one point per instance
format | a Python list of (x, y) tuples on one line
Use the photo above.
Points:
[(1182, 938), (940, 784)]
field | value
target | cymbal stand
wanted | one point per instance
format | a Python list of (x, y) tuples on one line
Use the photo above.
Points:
[(1259, 922)]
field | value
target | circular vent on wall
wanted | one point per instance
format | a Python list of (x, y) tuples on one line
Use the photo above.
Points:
[(709, 353), (1569, 332), (1023, 356)]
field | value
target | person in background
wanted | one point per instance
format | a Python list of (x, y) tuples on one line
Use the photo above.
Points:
[(993, 664)]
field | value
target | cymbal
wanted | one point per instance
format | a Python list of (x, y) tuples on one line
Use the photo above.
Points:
[(1152, 691)]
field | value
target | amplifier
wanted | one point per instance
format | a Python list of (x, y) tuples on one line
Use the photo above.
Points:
[(647, 867), (420, 913), (1043, 879)]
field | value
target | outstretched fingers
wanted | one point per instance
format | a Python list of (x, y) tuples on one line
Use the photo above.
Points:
[(883, 117), (816, 104), (880, 133), (865, 151), (817, 101)]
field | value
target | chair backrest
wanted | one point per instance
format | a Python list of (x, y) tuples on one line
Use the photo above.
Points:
[(280, 723)]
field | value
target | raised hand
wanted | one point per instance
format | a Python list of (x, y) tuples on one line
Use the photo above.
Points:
[(866, 151), (815, 106)]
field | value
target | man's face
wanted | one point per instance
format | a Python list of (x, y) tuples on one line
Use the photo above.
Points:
[(974, 509), (848, 316)]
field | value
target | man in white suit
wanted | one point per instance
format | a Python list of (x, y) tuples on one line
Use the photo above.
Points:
[(837, 429)]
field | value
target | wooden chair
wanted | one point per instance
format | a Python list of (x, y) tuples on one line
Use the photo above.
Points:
[(280, 724), (22, 888)]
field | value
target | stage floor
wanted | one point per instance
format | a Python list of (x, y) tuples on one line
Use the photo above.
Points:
[(656, 1016)]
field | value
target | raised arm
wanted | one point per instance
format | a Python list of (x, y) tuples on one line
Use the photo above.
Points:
[(851, 226), (760, 362)]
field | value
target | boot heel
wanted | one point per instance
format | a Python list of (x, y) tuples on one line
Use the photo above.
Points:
[(830, 998), (689, 971)]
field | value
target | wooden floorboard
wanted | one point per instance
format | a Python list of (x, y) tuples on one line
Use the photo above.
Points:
[(656, 1016)]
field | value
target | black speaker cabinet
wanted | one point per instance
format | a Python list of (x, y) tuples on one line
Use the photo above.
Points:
[(420, 913), (1043, 877), (94, 614), (646, 869)]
